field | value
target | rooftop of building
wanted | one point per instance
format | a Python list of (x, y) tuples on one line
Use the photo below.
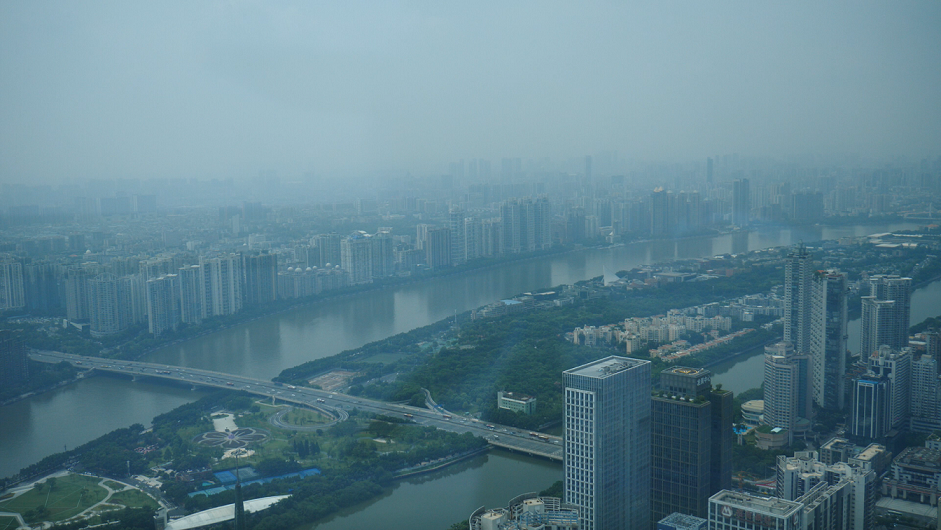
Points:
[(923, 457), (681, 520), (516, 396), (685, 371), (870, 452), (606, 367), (757, 503)]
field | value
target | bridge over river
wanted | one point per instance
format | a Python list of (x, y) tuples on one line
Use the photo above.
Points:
[(334, 404)]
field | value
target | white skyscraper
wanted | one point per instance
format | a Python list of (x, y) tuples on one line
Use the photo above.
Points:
[(787, 384), (886, 313), (607, 442), (221, 285)]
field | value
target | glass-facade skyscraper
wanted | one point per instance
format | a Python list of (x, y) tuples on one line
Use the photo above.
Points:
[(607, 442)]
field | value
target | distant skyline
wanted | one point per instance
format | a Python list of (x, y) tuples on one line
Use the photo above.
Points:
[(219, 89)]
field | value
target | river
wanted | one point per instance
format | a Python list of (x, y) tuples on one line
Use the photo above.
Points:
[(41, 425)]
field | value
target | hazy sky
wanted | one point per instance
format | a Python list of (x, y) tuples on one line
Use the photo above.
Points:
[(220, 88)]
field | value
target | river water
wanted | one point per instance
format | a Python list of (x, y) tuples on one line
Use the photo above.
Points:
[(36, 427)]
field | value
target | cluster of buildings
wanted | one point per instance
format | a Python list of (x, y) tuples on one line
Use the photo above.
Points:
[(636, 456), (890, 389), (636, 333)]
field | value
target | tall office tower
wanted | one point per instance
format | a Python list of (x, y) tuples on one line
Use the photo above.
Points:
[(896, 367), (191, 303), (690, 463), (328, 249), (12, 295), (926, 395), (163, 304), (710, 175), (606, 467), (221, 285), (109, 305), (510, 216), (260, 274), (356, 257), (741, 202), (491, 234), (798, 271), (886, 313), (438, 248), (456, 224), (542, 224), (788, 386), (869, 417), (828, 334), (14, 360)]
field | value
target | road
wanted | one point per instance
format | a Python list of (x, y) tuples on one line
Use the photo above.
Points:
[(336, 405)]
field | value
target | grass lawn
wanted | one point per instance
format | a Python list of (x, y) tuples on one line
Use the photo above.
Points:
[(304, 418), (116, 486), (72, 494), (386, 358), (133, 499), (8, 523)]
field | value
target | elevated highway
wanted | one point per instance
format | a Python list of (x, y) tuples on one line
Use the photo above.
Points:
[(334, 404)]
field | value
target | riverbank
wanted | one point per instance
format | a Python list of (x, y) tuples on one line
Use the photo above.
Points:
[(443, 464)]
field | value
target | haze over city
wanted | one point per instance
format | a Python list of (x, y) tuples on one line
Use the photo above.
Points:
[(224, 90)]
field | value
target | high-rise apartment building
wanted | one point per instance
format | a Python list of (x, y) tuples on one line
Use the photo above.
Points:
[(438, 248), (12, 295), (787, 385), (110, 304), (895, 366), (606, 468), (848, 488), (356, 255), (741, 202), (221, 285), (456, 224), (798, 271), (191, 300), (691, 449), (260, 278), (828, 335), (926, 395), (886, 313), (163, 304)]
